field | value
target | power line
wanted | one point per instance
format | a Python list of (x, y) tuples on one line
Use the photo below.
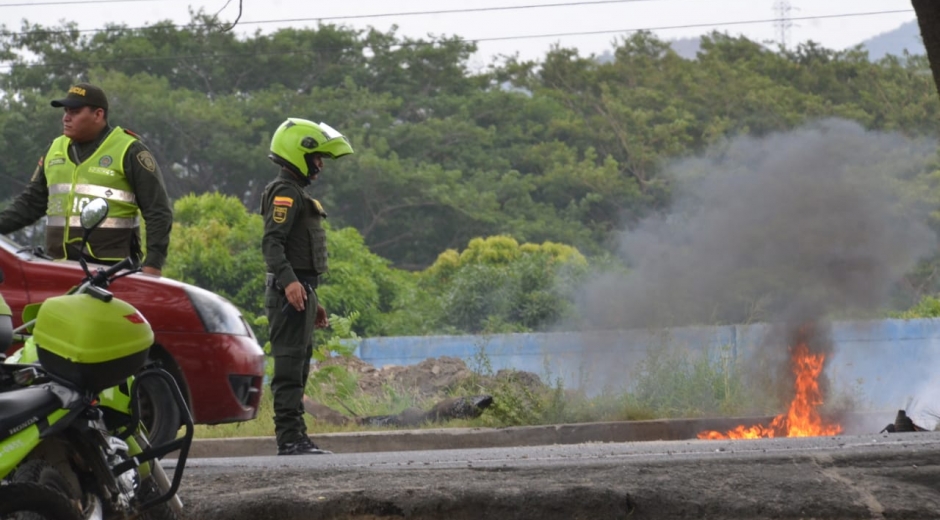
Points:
[(237, 18), (534, 6), (687, 26), (340, 17), (32, 4), (455, 11), (476, 40)]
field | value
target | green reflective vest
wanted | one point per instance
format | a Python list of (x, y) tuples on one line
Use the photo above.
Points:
[(71, 186)]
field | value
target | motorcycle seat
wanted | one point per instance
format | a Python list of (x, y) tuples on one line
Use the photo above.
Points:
[(24, 407)]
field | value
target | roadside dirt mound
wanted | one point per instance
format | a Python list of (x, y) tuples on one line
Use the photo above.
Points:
[(429, 379)]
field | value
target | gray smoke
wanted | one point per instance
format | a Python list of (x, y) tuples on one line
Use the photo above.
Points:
[(781, 228)]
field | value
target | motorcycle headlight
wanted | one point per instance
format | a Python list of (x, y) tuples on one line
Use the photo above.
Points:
[(218, 315)]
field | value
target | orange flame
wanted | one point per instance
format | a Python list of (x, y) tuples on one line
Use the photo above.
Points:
[(802, 419)]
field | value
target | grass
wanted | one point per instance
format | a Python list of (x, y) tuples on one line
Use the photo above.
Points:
[(669, 383)]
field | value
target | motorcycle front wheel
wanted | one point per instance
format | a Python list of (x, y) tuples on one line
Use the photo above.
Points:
[(32, 501)]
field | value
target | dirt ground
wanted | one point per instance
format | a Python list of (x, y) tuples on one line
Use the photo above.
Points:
[(439, 389), (430, 379)]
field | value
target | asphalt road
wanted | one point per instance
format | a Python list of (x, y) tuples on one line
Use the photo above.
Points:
[(871, 476)]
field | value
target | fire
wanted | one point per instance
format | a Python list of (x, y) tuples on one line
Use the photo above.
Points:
[(802, 419)]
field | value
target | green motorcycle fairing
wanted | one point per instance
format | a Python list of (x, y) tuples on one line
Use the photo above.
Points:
[(18, 446)]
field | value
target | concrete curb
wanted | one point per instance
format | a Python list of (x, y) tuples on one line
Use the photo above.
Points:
[(459, 438)]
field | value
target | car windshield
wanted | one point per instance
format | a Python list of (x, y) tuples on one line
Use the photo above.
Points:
[(22, 251)]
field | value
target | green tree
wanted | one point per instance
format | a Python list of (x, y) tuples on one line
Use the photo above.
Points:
[(498, 285)]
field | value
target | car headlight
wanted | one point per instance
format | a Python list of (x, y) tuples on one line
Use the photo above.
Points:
[(218, 315)]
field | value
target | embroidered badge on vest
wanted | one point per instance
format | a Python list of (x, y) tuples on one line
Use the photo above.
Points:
[(280, 214), (105, 161), (281, 205), (147, 161)]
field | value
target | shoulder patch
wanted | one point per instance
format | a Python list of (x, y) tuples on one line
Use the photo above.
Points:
[(283, 201), (146, 160), (132, 134), (280, 214)]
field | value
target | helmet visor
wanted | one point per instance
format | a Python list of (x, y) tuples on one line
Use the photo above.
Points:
[(336, 144), (329, 131)]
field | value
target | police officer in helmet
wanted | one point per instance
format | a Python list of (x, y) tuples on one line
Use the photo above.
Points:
[(294, 247)]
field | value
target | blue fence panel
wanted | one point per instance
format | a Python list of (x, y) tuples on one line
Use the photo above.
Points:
[(878, 362)]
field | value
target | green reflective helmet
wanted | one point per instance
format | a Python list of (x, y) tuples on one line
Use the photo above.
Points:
[(297, 141)]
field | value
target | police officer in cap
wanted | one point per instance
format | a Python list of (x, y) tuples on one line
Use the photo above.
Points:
[(94, 160), (294, 247)]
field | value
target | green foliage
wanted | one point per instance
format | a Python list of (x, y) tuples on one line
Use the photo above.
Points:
[(562, 150), (670, 383), (496, 285), (359, 282), (330, 382), (215, 244), (342, 342), (927, 307)]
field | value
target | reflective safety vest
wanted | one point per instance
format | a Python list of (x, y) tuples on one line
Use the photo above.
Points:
[(100, 176)]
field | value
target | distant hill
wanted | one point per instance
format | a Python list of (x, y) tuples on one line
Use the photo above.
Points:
[(686, 47), (907, 36)]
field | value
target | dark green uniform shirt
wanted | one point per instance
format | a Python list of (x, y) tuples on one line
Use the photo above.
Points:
[(294, 242), (146, 181)]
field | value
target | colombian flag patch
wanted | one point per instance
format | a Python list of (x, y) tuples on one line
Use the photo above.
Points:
[(283, 201)]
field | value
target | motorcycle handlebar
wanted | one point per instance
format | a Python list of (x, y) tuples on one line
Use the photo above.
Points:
[(103, 276)]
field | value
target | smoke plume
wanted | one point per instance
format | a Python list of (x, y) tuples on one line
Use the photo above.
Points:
[(779, 228)]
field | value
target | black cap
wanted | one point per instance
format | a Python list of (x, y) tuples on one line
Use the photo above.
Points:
[(81, 95)]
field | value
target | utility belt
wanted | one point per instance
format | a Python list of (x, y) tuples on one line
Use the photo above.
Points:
[(310, 282)]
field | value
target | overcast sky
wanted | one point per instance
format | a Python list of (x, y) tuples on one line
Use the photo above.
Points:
[(502, 31)]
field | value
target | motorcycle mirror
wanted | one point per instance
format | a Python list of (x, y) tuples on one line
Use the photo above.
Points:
[(93, 214)]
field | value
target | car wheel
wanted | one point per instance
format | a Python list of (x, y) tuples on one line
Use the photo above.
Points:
[(158, 411)]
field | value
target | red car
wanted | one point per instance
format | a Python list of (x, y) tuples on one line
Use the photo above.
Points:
[(200, 337)]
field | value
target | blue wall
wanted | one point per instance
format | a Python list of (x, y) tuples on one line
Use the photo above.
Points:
[(883, 363)]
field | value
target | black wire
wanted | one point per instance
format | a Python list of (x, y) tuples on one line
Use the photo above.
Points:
[(32, 4), (692, 26), (223, 8), (348, 17), (237, 18), (467, 40)]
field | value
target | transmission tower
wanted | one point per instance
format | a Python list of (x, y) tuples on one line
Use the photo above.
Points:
[(782, 23)]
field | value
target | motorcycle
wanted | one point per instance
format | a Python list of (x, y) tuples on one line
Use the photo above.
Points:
[(71, 420)]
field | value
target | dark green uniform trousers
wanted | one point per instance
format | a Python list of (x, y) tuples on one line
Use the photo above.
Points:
[(292, 348)]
